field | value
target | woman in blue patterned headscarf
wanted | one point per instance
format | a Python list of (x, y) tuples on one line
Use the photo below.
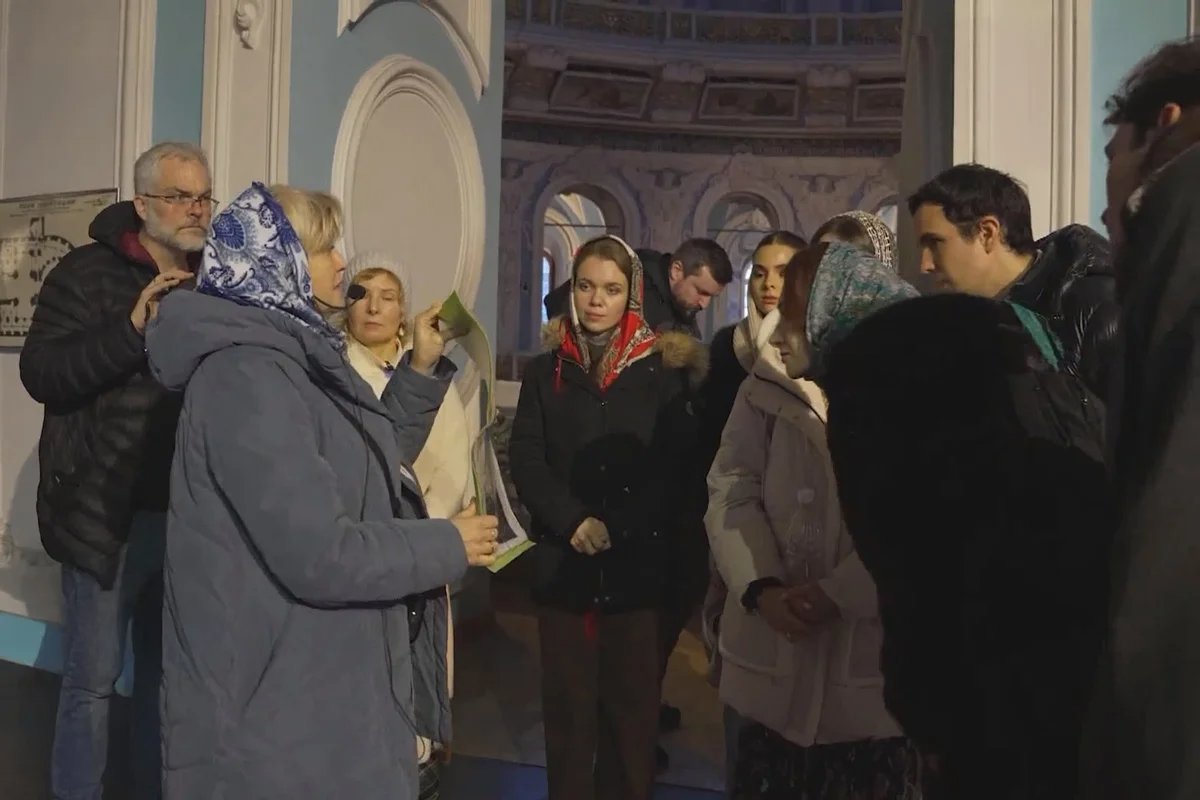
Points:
[(305, 624)]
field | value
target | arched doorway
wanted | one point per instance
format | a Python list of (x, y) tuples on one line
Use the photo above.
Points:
[(572, 217), (737, 222)]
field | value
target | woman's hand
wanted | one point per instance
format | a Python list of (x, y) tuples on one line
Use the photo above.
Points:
[(479, 534), (428, 341), (775, 607), (810, 603), (591, 537)]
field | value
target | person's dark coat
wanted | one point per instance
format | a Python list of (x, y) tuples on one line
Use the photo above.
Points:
[(109, 427), (578, 452), (305, 627), (1071, 284), (725, 376), (1149, 703), (972, 481), (660, 310)]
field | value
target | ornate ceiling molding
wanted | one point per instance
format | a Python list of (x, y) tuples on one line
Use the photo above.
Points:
[(823, 145), (543, 83)]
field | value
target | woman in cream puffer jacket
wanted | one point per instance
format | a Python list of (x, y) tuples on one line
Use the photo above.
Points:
[(800, 635)]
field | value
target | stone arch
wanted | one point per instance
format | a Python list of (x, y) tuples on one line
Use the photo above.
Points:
[(753, 217), (616, 205), (781, 209)]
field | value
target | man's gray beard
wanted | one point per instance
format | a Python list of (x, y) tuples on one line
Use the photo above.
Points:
[(169, 238)]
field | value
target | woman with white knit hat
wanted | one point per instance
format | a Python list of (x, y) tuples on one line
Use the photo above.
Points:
[(376, 337)]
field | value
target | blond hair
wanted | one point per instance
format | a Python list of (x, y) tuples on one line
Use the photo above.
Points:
[(315, 216)]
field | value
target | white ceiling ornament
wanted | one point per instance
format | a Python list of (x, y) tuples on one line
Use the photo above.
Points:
[(468, 23)]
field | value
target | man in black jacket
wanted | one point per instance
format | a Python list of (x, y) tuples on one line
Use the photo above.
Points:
[(973, 223), (678, 285), (1146, 722), (105, 455)]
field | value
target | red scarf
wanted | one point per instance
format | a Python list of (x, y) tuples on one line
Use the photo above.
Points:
[(631, 341)]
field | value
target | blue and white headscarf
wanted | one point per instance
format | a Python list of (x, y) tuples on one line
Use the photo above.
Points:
[(254, 257)]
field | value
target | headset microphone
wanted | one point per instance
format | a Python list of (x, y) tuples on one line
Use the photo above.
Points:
[(354, 293)]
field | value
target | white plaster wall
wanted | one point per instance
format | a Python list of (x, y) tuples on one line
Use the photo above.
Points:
[(62, 73), (247, 66), (664, 199), (1029, 115)]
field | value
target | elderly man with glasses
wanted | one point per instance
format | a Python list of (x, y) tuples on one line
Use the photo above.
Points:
[(105, 456)]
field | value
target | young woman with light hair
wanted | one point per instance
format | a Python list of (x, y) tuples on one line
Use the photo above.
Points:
[(378, 334)]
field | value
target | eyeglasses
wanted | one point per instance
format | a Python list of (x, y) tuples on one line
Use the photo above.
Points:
[(186, 200)]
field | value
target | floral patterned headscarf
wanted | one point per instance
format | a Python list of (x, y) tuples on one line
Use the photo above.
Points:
[(631, 341), (883, 241), (253, 256), (849, 286)]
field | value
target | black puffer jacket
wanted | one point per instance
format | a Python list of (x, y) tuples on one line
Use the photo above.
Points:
[(109, 429), (1071, 284), (976, 497), (578, 452), (659, 308)]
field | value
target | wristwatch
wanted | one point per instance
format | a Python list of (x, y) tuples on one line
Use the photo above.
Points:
[(754, 590)]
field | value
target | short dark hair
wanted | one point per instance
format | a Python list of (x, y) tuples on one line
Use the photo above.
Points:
[(784, 238), (696, 254), (969, 192), (846, 229), (1171, 74)]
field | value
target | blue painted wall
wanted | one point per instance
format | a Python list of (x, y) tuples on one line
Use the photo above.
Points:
[(178, 71), (1123, 32), (325, 70)]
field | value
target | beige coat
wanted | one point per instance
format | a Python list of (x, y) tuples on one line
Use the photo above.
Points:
[(443, 467), (774, 512)]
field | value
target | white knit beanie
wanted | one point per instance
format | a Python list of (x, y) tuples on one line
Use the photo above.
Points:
[(376, 259)]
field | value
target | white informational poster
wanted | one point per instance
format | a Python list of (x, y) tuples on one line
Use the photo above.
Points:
[(35, 233)]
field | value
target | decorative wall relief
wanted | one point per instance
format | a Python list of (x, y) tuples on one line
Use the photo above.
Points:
[(878, 102), (248, 17), (664, 197), (750, 101), (247, 91), (610, 95)]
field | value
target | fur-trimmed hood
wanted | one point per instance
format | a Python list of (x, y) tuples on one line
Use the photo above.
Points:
[(678, 349)]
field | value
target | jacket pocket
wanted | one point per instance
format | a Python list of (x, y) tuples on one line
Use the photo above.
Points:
[(856, 651), (748, 641)]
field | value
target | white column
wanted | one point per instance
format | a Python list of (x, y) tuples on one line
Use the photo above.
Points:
[(1006, 83), (247, 89), (1022, 98)]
